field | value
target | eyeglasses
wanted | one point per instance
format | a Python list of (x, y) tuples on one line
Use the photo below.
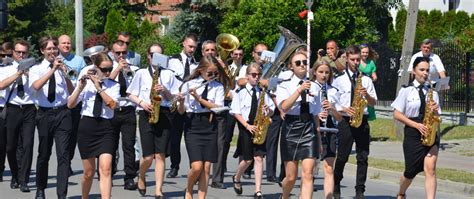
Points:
[(254, 75), (120, 52), (21, 52), (212, 74), (105, 70), (51, 49), (299, 62), (238, 54)]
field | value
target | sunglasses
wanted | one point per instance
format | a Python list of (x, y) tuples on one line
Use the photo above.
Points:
[(299, 62), (120, 52), (259, 53), (105, 70), (363, 46), (254, 75), (212, 74), (126, 42)]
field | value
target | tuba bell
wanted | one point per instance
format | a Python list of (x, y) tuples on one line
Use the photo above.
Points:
[(90, 52), (226, 43)]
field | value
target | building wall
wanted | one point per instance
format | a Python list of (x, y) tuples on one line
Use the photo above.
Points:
[(443, 5)]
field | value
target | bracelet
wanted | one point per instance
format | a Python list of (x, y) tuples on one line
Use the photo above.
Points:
[(100, 91), (140, 102)]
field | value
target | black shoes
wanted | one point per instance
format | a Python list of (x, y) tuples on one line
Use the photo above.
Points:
[(360, 195), (130, 185), (159, 197), (1, 176), (272, 179), (14, 184), (24, 188), (238, 190), (141, 191), (173, 173), (39, 194), (258, 195), (217, 185)]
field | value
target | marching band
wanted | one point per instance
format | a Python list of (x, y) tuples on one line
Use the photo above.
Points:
[(317, 112)]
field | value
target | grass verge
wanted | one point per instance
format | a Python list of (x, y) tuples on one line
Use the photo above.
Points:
[(384, 129), (441, 173)]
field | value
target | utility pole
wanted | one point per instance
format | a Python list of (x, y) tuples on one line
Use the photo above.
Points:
[(79, 28), (407, 50)]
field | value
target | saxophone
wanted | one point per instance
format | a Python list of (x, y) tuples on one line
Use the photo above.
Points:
[(261, 121), (430, 120), (155, 100), (358, 104)]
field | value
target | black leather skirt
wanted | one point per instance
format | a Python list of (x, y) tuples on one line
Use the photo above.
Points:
[(299, 139)]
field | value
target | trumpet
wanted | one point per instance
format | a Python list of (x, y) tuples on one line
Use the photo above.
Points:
[(128, 72), (174, 102), (70, 72)]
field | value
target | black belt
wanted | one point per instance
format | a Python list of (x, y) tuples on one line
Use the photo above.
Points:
[(416, 119), (125, 108), (55, 108), (21, 106), (203, 114)]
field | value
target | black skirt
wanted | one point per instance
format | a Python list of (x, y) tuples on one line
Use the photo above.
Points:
[(414, 151), (200, 136), (95, 137), (298, 139), (154, 138), (245, 146)]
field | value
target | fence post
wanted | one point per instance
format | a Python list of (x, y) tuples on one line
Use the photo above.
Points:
[(468, 77)]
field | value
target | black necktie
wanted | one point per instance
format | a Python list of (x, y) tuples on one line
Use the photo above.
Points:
[(422, 100), (353, 83), (96, 112), (304, 105), (20, 91), (186, 69), (123, 85), (204, 93), (52, 87), (253, 106)]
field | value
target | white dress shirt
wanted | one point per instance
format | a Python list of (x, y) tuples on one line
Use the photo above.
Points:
[(41, 96), (286, 88), (177, 66), (332, 94), (87, 96), (343, 84), (10, 70), (215, 94), (124, 101), (242, 101), (142, 82), (436, 65), (408, 100)]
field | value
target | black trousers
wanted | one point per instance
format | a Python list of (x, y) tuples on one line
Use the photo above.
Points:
[(20, 125), (76, 118), (3, 144), (228, 138), (218, 167), (272, 141), (125, 121), (347, 135), (175, 140), (53, 125)]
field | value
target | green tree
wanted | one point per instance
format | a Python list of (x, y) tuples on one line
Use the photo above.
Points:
[(422, 27), (396, 36), (131, 25), (435, 27), (113, 25)]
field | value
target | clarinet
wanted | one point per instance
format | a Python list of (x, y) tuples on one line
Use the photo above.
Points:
[(324, 94)]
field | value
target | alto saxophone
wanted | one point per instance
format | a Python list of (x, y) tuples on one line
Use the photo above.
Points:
[(155, 100), (261, 121), (358, 104), (430, 120)]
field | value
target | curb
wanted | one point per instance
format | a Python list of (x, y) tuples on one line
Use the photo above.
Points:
[(446, 186)]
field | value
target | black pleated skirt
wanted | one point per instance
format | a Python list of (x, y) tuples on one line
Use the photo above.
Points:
[(95, 137), (414, 151), (298, 139), (200, 136)]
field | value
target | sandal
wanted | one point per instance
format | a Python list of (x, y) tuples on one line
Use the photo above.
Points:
[(238, 190), (258, 195)]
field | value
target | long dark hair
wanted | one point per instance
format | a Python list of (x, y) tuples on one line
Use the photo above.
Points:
[(204, 64)]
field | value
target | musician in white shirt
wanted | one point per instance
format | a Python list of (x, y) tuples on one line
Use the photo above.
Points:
[(96, 137)]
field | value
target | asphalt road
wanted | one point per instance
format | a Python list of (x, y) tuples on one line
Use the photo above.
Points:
[(173, 188)]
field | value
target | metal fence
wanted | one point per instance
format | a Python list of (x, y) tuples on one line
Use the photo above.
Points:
[(458, 66)]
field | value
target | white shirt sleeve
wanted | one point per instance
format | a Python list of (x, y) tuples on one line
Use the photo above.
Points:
[(438, 64), (219, 97), (399, 103), (134, 87), (235, 105)]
